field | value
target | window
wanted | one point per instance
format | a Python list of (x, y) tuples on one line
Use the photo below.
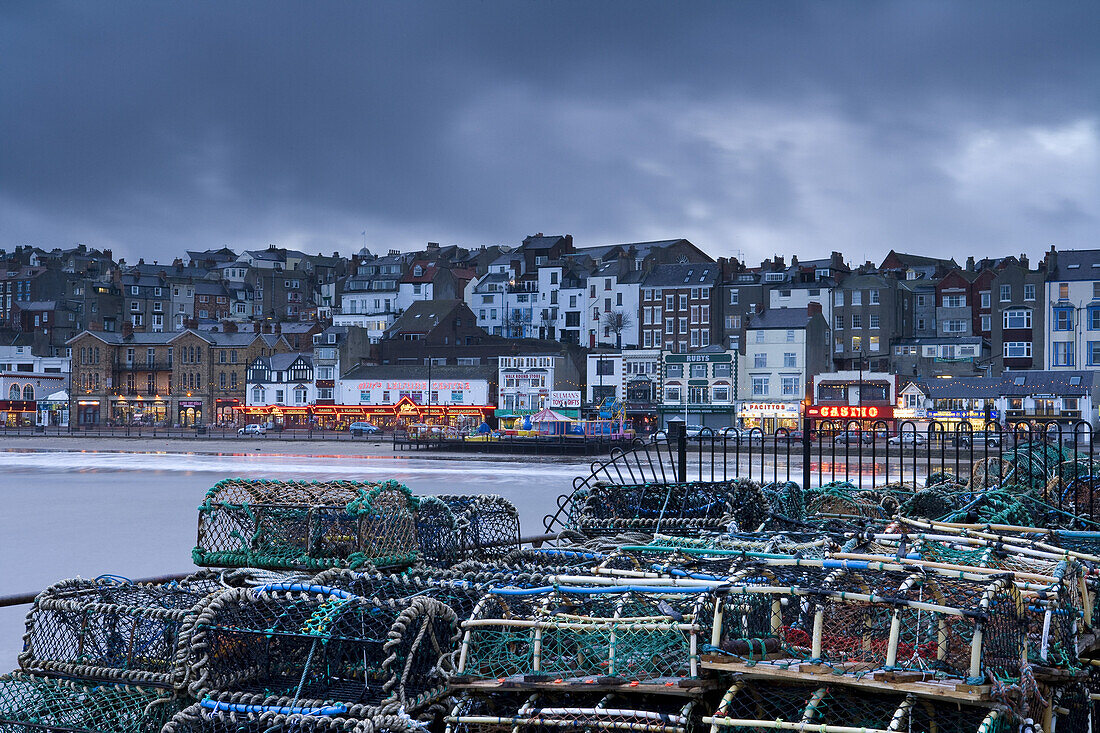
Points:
[(789, 385), (1094, 319), (683, 303), (683, 325), (790, 336), (773, 277), (760, 360), (670, 302), (1029, 291), (1094, 353), (1006, 293), (784, 293), (1063, 319), (698, 371), (605, 366), (984, 295), (672, 394), (674, 371), (922, 300), (1063, 291), (694, 314), (874, 297), (1017, 318), (1063, 353), (790, 359), (838, 322), (670, 326), (1096, 291), (857, 297), (759, 337), (954, 326), (734, 297), (872, 343), (759, 386), (872, 321), (838, 297), (257, 395), (720, 394), (954, 301), (987, 323), (857, 343), (857, 320), (723, 369)]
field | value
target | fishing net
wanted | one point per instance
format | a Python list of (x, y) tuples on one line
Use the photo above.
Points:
[(610, 631), (315, 643), (511, 714), (452, 528), (33, 703), (242, 713), (844, 500), (829, 708), (785, 499), (111, 629), (302, 525)]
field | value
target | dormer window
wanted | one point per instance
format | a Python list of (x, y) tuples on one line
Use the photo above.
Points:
[(418, 271), (332, 338)]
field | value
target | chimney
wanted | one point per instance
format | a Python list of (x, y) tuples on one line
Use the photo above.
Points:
[(433, 246), (970, 263), (812, 308), (127, 329), (1024, 262), (794, 260)]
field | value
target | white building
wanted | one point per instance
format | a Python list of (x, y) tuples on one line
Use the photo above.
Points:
[(24, 376), (784, 349), (387, 385), (613, 292), (486, 299), (281, 379), (526, 383), (1073, 319)]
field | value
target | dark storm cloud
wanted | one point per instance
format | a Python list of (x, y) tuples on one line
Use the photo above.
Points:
[(752, 126)]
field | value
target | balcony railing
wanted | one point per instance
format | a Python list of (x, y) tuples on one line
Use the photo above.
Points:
[(142, 366)]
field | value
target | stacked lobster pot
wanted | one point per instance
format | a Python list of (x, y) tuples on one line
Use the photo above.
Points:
[(107, 654), (307, 525), (597, 655), (451, 528)]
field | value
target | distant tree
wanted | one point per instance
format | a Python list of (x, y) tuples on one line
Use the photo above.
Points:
[(617, 321)]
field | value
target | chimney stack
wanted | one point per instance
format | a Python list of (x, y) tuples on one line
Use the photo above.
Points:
[(812, 308)]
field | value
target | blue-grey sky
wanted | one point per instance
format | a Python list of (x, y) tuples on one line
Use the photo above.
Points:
[(749, 127)]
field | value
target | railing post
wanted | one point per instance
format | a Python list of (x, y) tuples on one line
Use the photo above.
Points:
[(677, 434), (806, 422)]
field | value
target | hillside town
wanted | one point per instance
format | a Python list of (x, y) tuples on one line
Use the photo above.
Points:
[(646, 332)]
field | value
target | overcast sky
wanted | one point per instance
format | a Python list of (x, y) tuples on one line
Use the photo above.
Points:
[(765, 127)]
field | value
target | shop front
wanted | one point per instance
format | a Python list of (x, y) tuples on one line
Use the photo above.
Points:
[(388, 417), (842, 417), (54, 410), (225, 410), (770, 416), (190, 413), (87, 413), (18, 413), (951, 420), (139, 410)]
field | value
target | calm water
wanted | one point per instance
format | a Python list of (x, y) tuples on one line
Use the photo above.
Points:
[(134, 514)]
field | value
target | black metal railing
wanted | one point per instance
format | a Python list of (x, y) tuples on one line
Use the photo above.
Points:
[(1056, 461)]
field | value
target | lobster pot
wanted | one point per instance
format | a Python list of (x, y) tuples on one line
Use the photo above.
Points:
[(543, 712), (32, 703), (680, 508), (316, 643), (112, 630), (449, 527), (237, 713), (859, 619), (828, 708), (634, 633), (308, 526)]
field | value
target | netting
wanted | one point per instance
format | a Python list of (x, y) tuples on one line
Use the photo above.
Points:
[(516, 714), (300, 525), (862, 616), (114, 630), (686, 508), (844, 500), (34, 703), (451, 528), (634, 633), (315, 643), (243, 713), (828, 708)]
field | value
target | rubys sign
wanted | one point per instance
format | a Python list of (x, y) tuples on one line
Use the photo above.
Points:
[(851, 412)]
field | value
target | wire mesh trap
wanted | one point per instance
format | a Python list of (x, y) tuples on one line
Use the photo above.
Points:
[(34, 703), (455, 527), (828, 708), (306, 525), (243, 713), (316, 643), (114, 630), (634, 633), (860, 616), (683, 508), (474, 713)]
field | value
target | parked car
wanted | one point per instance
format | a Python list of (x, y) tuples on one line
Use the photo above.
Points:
[(977, 438), (849, 437), (253, 429), (363, 428), (907, 438)]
